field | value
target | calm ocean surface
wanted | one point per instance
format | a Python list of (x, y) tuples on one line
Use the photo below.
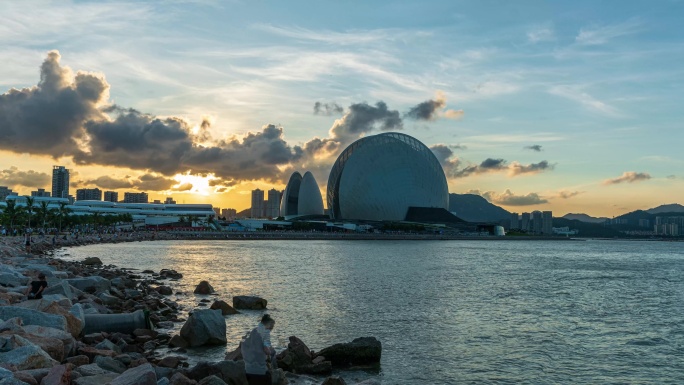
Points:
[(451, 312)]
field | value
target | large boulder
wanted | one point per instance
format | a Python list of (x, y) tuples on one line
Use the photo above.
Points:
[(204, 327), (204, 288), (7, 279), (297, 357), (92, 261), (249, 302), (99, 379), (139, 375), (212, 380), (231, 372), (67, 339), (360, 352), (27, 356), (58, 375), (34, 317), (225, 308), (334, 380), (74, 323), (92, 285), (61, 287), (110, 364), (52, 346)]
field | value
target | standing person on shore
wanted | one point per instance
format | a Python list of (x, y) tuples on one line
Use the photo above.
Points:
[(255, 349), (35, 289)]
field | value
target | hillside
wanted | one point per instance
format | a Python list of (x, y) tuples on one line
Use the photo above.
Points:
[(585, 218), (587, 229), (474, 208), (671, 208)]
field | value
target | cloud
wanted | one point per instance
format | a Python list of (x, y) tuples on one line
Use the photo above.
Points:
[(516, 168), (568, 194), (629, 177), (327, 109), (541, 34), (432, 109), (109, 183), (597, 35), (508, 198), (534, 147), (13, 176), (154, 183), (577, 94), (183, 187), (444, 155), (145, 182)]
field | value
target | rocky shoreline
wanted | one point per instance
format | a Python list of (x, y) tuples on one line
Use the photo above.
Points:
[(99, 324)]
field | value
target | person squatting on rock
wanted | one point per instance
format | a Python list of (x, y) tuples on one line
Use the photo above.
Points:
[(35, 290), (255, 349)]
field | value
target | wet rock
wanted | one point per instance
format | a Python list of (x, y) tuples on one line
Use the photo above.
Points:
[(235, 355), (204, 327), (225, 308), (170, 274), (164, 290), (178, 342), (92, 261), (163, 373), (334, 380), (58, 375), (163, 381), (361, 351), (169, 362), (249, 302), (231, 372), (144, 332), (33, 317), (203, 288), (140, 375)]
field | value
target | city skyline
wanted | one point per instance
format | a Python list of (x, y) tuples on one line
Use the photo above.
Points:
[(570, 108)]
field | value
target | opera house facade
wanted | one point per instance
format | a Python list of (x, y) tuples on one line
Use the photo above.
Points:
[(302, 196), (380, 177)]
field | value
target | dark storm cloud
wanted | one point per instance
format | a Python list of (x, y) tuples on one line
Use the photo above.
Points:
[(362, 118), (628, 177), (534, 147), (146, 182), (444, 155), (109, 183), (327, 109), (426, 110), (13, 176), (48, 119)]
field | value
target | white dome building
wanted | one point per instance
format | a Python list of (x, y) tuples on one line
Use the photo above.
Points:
[(379, 177), (302, 196)]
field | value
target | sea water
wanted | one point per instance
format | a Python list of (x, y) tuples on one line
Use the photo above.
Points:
[(449, 312)]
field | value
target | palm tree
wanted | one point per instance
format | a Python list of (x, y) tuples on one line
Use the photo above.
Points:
[(12, 212), (42, 211), (63, 213), (30, 201)]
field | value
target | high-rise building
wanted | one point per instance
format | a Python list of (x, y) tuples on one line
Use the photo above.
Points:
[(258, 207), (525, 222), (273, 203), (88, 194), (41, 193), (60, 182), (547, 223), (217, 210), (229, 214), (111, 196), (515, 222), (537, 222), (169, 201), (130, 197), (5, 192)]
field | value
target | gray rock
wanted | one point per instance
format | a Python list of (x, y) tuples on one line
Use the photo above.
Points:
[(163, 372), (163, 381), (99, 379), (132, 293), (204, 288), (204, 327), (93, 285), (37, 374), (140, 375), (108, 299), (249, 302), (334, 380), (110, 364), (12, 381), (12, 324), (28, 357), (93, 370), (33, 317), (361, 351), (61, 287), (212, 380), (4, 373), (92, 261), (108, 345), (42, 331), (231, 372), (225, 308), (10, 280)]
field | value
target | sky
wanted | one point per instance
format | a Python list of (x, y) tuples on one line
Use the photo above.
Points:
[(573, 107)]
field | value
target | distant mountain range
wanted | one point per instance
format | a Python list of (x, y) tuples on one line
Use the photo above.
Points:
[(671, 208), (585, 218)]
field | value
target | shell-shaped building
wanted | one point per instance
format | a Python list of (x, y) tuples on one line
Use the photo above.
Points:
[(310, 199), (302, 196), (379, 177), (289, 203)]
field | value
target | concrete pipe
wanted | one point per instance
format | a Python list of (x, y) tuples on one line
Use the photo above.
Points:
[(113, 323)]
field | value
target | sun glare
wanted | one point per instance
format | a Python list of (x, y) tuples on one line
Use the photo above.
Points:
[(193, 184)]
